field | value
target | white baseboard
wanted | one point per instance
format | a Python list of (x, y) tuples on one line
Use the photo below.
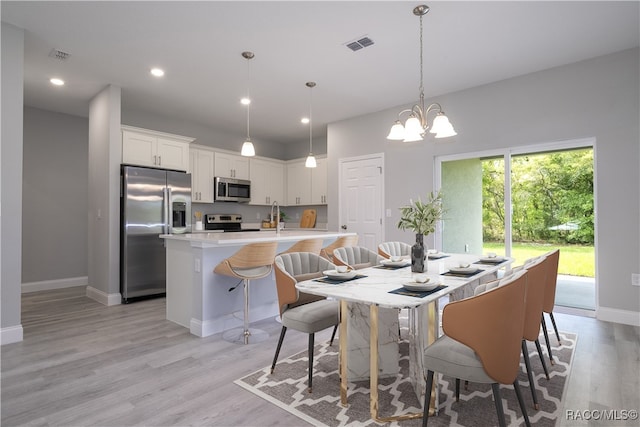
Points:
[(615, 315), (47, 285), (104, 298), (11, 334)]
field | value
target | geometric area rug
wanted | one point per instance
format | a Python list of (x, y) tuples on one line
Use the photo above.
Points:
[(287, 388)]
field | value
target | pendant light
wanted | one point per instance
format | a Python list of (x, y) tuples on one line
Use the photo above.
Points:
[(417, 125), (247, 148), (311, 160)]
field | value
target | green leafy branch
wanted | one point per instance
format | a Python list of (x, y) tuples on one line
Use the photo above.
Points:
[(421, 217)]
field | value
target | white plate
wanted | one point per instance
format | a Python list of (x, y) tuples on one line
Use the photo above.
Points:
[(436, 255), (420, 287), (400, 263), (333, 274), (462, 269), (495, 259)]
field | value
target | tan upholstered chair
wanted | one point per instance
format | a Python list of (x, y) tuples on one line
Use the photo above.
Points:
[(356, 257), (252, 261), (550, 297), (537, 275), (482, 341), (303, 312), (308, 245), (327, 251), (389, 249)]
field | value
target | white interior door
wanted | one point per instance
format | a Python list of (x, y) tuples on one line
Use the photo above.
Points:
[(361, 195)]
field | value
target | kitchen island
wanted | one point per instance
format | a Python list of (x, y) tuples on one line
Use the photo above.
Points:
[(209, 303)]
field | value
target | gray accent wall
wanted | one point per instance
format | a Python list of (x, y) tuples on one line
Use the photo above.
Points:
[(55, 190), (596, 98), (105, 155)]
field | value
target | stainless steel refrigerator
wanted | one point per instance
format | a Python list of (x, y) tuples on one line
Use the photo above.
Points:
[(152, 202)]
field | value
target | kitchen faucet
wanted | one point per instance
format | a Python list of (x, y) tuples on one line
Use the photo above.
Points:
[(277, 206)]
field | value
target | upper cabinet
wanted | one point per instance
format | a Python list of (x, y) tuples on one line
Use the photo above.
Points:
[(319, 183), (307, 186), (202, 174), (231, 166), (145, 147), (267, 182)]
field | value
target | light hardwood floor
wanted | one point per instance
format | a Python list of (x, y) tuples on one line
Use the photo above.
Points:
[(82, 363)]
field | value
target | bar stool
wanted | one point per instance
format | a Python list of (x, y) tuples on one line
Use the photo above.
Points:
[(307, 245), (252, 261), (327, 251)]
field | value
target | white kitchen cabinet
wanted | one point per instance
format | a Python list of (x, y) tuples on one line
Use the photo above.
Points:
[(231, 166), (319, 183), (298, 184), (307, 186), (267, 182), (202, 174), (146, 147)]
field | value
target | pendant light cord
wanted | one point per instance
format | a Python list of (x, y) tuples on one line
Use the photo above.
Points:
[(248, 96), (310, 119)]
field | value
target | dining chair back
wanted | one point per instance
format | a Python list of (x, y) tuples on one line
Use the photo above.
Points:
[(298, 310), (356, 257), (550, 297), (482, 341), (252, 261), (389, 249), (327, 251)]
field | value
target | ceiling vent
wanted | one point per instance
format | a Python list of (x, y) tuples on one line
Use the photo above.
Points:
[(59, 54), (362, 42)]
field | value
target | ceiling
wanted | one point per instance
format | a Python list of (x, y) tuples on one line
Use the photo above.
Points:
[(199, 45)]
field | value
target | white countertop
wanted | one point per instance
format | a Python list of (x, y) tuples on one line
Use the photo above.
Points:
[(216, 239)]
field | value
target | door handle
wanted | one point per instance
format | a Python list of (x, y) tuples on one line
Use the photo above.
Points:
[(343, 226)]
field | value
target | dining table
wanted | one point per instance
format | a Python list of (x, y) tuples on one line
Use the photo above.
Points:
[(370, 303)]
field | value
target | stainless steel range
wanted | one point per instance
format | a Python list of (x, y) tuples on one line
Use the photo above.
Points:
[(225, 222)]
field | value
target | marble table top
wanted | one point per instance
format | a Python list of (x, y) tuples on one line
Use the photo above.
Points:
[(375, 287)]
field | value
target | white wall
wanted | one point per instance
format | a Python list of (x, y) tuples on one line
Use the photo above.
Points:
[(11, 183), (595, 98)]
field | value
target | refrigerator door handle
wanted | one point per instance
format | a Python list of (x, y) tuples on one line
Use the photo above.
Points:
[(169, 211)]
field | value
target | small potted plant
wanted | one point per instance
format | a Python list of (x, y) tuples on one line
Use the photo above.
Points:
[(421, 218)]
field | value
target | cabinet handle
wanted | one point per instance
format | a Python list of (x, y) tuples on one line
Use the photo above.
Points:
[(159, 160), (155, 160)]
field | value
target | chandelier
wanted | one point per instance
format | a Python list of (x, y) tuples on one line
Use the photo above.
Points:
[(248, 149), (311, 160), (417, 123)]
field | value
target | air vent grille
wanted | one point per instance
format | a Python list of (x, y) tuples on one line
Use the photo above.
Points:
[(59, 54), (360, 43)]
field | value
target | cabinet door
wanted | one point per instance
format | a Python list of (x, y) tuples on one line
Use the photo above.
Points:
[(267, 182), (241, 167), (138, 149), (172, 154), (223, 165), (319, 183), (298, 184), (201, 176)]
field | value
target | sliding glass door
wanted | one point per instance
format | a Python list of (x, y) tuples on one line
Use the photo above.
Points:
[(523, 203)]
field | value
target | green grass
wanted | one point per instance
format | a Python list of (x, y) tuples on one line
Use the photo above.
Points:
[(574, 260)]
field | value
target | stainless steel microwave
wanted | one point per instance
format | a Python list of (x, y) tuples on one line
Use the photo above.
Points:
[(231, 190)]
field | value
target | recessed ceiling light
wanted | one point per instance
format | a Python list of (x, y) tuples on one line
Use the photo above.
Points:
[(158, 72), (56, 81), (245, 101), (304, 120)]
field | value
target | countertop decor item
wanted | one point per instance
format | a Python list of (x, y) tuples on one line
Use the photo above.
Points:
[(417, 125), (421, 218)]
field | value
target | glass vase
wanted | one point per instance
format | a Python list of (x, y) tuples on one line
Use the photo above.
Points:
[(418, 252)]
